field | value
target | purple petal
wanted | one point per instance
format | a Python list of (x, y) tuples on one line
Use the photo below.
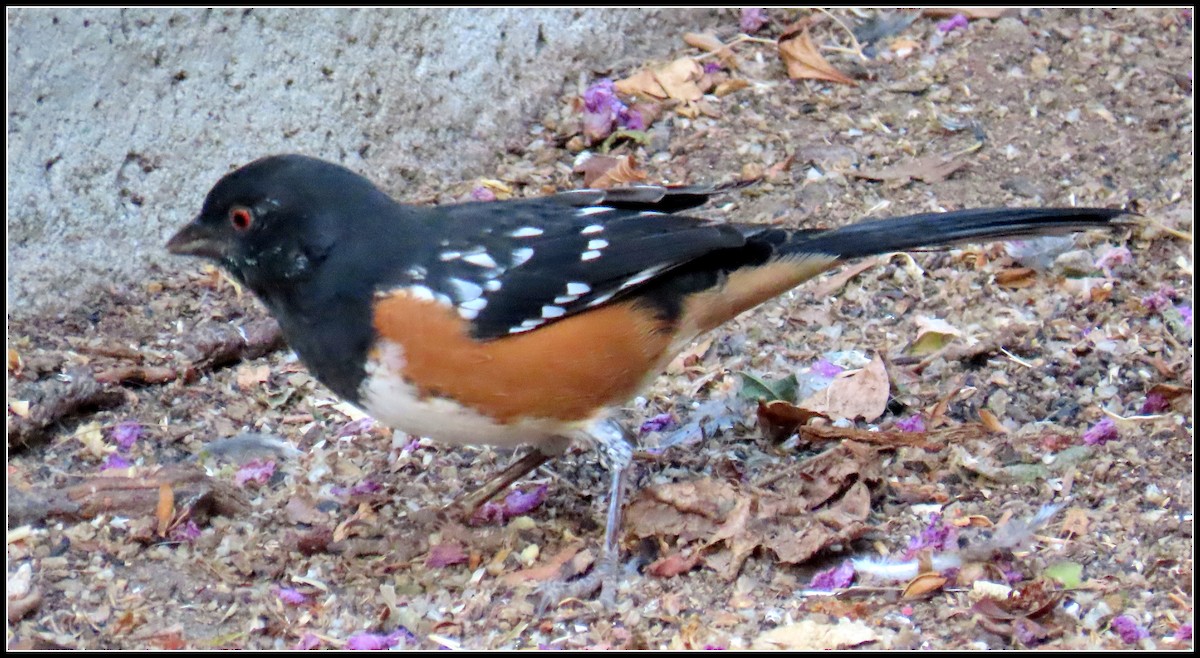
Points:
[(658, 423), (953, 23), (1114, 257), (1185, 312), (835, 578), (937, 537), (827, 369), (354, 427), (370, 642), (291, 596), (444, 555), (911, 424), (365, 487), (1184, 632), (602, 108), (256, 470), (1160, 299), (1128, 628), (376, 641), (113, 460), (186, 532), (752, 19), (308, 642), (482, 193), (599, 96), (1100, 433), (125, 434), (631, 119), (1155, 403), (518, 503)]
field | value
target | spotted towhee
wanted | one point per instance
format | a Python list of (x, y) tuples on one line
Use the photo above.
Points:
[(522, 321)]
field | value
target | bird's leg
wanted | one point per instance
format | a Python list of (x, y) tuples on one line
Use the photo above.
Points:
[(466, 506), (616, 454)]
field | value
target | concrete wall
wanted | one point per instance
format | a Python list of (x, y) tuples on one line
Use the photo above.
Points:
[(120, 120)]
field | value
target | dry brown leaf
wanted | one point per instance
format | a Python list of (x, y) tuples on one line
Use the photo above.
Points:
[(992, 423), (302, 509), (563, 565), (643, 84), (19, 408), (731, 85), (779, 419), (679, 79), (164, 512), (808, 507), (854, 394), (839, 281), (605, 171), (924, 585), (689, 357), (923, 440), (809, 635), (711, 44), (930, 169), (805, 62), (1016, 277), (1171, 393), (673, 565), (1075, 523), (932, 335), (251, 376)]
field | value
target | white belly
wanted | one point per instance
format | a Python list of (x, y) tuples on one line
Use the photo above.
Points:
[(396, 403)]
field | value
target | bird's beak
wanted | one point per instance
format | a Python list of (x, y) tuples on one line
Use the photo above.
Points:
[(197, 239)]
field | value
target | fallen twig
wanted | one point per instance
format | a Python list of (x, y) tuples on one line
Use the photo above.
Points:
[(58, 401)]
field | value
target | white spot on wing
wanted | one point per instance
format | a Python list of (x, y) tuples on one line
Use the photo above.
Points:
[(641, 277), (602, 298), (591, 229), (482, 259), (593, 210), (417, 273), (420, 292), (551, 312), (589, 255), (521, 255), (492, 285), (526, 326), (577, 289), (465, 291), (597, 244), (526, 232), (449, 255), (474, 305), (565, 299)]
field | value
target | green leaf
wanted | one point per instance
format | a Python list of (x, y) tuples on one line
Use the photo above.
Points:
[(636, 136), (760, 388), (1070, 574)]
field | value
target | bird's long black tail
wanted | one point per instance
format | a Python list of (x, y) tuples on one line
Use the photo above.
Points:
[(778, 259), (939, 229)]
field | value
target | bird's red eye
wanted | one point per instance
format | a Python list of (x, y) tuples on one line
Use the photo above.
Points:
[(240, 218)]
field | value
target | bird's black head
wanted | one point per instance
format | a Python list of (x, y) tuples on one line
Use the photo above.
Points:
[(274, 221)]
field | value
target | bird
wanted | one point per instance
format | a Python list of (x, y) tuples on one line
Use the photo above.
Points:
[(526, 321)]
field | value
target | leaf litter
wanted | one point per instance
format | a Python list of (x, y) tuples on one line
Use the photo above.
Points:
[(1060, 349)]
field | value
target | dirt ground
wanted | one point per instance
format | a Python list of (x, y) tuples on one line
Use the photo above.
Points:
[(177, 480)]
